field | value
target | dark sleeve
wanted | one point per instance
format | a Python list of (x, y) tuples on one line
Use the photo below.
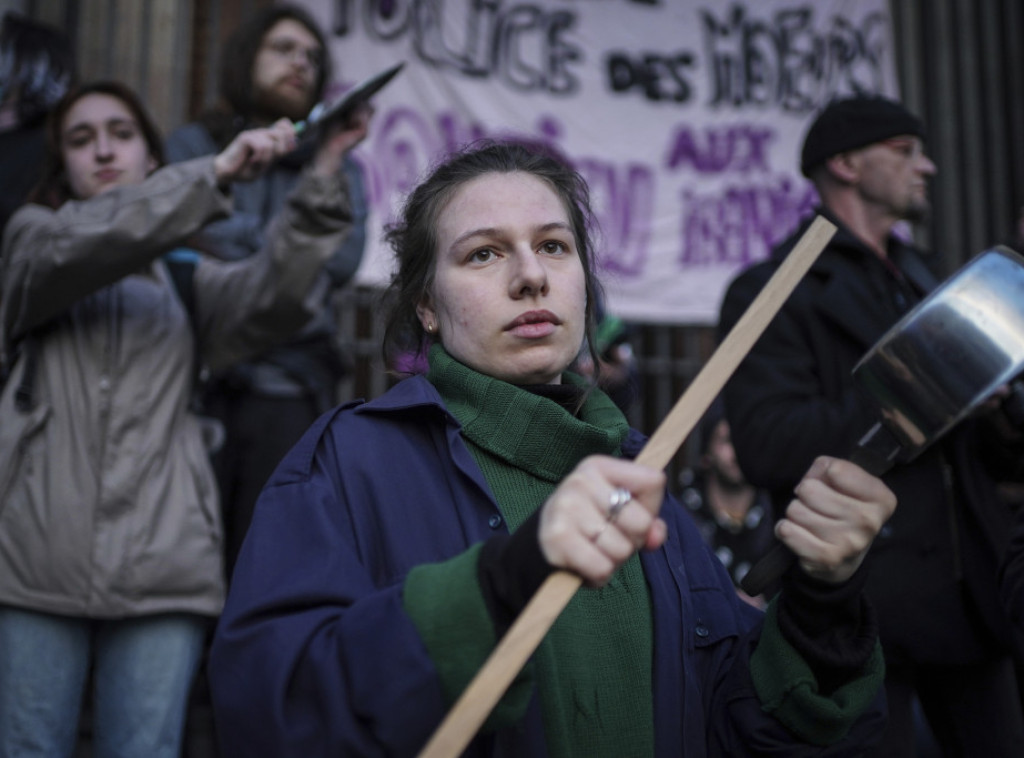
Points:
[(1011, 578), (246, 306), (53, 258), (317, 651), (511, 569), (818, 666), (765, 697), (1000, 438), (187, 142), (311, 656), (776, 400), (462, 613), (462, 607), (832, 626), (344, 263)]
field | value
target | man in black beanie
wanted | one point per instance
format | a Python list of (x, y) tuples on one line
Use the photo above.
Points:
[(932, 573)]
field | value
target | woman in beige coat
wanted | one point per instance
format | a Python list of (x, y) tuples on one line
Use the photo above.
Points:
[(110, 535)]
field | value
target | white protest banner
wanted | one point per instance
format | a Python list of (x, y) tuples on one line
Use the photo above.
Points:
[(685, 117)]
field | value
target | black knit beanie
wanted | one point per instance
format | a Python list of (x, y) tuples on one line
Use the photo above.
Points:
[(855, 122)]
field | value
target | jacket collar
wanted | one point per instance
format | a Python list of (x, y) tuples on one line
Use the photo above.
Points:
[(409, 394), (846, 270), (905, 256)]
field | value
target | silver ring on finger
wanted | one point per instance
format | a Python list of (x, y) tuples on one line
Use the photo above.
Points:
[(619, 499)]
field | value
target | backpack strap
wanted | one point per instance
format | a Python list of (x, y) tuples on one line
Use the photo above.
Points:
[(181, 265)]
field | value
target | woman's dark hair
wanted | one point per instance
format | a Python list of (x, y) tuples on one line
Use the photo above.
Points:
[(414, 237), (53, 188), (37, 61), (237, 61)]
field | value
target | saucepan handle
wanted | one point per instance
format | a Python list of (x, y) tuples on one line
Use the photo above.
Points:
[(767, 570), (875, 453)]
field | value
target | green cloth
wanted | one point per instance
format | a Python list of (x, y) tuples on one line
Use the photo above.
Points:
[(594, 667), (788, 690), (445, 602)]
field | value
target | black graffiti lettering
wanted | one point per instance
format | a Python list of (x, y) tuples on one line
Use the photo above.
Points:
[(803, 60), (785, 61), (621, 74), (720, 63), (859, 53), (675, 67), (524, 45), (341, 18), (387, 19), (758, 71), (520, 74), (658, 76), (427, 27), (552, 73), (561, 55), (628, 2)]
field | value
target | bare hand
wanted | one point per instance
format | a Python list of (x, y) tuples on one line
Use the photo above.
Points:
[(338, 138), (253, 151), (838, 510), (575, 530)]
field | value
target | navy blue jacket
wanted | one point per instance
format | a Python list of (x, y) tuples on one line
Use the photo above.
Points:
[(315, 656)]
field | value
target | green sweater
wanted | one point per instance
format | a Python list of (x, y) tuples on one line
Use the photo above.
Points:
[(593, 669)]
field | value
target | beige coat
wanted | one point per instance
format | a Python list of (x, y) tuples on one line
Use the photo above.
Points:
[(108, 505)]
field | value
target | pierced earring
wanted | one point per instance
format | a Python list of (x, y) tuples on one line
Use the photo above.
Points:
[(430, 327)]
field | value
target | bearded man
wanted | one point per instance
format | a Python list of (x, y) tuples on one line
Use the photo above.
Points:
[(275, 65)]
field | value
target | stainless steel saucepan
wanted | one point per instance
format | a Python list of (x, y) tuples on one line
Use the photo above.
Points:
[(948, 355)]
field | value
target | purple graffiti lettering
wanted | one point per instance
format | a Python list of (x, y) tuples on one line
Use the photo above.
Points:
[(623, 202), (403, 142), (740, 224), (406, 142), (739, 149), (550, 128), (786, 61), (455, 133)]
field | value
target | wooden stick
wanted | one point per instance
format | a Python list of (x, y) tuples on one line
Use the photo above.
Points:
[(523, 637)]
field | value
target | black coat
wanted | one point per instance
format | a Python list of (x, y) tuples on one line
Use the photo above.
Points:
[(934, 567)]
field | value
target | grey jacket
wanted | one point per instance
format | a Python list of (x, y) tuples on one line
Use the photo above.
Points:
[(108, 506), (311, 363)]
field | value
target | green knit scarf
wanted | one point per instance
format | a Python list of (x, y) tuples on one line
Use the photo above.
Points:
[(594, 666)]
